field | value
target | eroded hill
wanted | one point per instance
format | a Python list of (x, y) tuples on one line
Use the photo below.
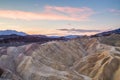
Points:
[(77, 59)]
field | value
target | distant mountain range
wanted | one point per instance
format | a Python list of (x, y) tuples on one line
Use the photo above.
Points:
[(107, 33), (15, 38), (17, 33), (67, 36), (11, 32)]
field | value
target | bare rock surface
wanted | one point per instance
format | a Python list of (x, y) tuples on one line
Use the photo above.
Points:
[(77, 59)]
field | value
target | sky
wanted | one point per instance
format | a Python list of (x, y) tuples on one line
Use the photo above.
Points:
[(60, 17)]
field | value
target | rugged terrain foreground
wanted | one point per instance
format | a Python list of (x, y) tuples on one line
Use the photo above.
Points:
[(78, 59)]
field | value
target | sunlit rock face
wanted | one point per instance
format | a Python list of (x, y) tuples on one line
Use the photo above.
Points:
[(77, 59)]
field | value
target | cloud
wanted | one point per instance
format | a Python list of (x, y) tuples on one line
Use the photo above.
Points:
[(32, 16), (50, 13), (73, 30), (116, 11), (78, 13), (78, 31)]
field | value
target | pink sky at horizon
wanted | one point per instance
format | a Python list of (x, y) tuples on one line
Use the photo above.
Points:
[(50, 32)]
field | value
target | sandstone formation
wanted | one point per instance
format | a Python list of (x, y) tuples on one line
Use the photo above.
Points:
[(77, 59)]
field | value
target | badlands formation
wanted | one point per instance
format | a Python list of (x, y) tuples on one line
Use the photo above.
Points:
[(78, 59)]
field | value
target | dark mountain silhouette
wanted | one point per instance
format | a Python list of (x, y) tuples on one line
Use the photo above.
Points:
[(107, 33)]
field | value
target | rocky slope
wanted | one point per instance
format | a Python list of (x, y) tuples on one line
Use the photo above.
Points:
[(77, 59), (113, 39)]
